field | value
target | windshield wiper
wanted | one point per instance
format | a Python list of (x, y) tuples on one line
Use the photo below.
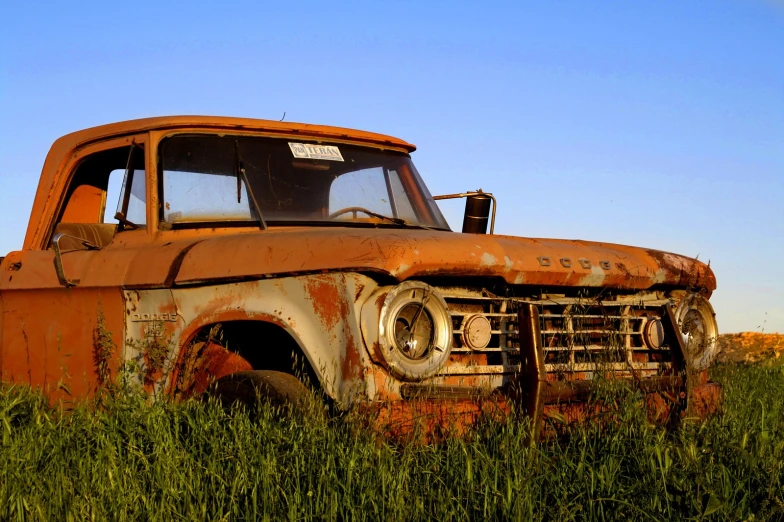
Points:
[(398, 221), (240, 169)]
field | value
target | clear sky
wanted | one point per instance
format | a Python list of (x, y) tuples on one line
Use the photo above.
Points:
[(651, 123)]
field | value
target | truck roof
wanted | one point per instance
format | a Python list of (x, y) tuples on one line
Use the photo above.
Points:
[(75, 139)]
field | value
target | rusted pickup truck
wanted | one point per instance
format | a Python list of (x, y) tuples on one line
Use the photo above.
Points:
[(237, 250)]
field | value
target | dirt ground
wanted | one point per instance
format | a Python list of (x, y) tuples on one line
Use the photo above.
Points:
[(750, 347)]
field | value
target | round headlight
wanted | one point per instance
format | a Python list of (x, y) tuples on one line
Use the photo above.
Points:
[(415, 331), (697, 322), (477, 332), (653, 333)]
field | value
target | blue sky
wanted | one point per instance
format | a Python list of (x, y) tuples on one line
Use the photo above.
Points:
[(650, 123)]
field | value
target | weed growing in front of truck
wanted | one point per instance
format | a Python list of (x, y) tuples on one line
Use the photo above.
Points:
[(192, 362), (104, 349), (147, 361), (156, 351)]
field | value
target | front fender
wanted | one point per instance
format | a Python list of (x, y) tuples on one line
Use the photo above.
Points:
[(320, 312)]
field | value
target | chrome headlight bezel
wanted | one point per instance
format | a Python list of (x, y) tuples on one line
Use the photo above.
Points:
[(408, 362), (699, 330)]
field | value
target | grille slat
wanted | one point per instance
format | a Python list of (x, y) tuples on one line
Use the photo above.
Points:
[(550, 368), (628, 332)]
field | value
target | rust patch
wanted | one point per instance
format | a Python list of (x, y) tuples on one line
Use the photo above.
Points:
[(223, 301), (358, 293), (375, 346), (664, 399), (685, 271), (433, 419), (351, 364), (332, 307), (706, 400), (328, 303), (202, 365)]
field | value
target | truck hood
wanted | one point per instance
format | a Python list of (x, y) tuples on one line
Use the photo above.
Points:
[(409, 253)]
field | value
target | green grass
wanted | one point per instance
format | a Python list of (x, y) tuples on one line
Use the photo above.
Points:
[(128, 460)]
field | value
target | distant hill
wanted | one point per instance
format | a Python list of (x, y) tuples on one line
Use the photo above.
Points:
[(750, 347)]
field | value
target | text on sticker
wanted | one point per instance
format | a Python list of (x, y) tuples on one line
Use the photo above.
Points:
[(311, 151)]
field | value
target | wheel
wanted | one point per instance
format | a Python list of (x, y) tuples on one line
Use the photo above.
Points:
[(251, 387), (354, 210)]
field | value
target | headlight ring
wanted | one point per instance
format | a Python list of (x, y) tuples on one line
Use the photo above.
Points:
[(415, 331), (697, 323)]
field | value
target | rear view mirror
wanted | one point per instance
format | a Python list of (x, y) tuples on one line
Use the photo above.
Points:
[(477, 211)]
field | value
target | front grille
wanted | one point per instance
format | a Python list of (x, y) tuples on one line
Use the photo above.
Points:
[(580, 336)]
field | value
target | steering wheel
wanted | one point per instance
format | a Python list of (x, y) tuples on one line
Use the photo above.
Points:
[(353, 210)]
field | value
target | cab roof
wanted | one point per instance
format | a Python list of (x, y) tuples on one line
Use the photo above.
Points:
[(77, 138)]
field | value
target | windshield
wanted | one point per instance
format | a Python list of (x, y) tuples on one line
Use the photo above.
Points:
[(208, 180)]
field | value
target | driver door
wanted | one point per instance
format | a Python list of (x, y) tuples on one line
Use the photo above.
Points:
[(63, 308)]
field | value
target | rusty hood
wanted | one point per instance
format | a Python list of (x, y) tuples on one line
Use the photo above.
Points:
[(406, 254)]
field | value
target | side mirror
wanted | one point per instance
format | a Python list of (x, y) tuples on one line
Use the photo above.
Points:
[(78, 243), (477, 211)]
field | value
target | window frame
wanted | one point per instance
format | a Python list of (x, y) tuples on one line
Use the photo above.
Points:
[(155, 218), (73, 163)]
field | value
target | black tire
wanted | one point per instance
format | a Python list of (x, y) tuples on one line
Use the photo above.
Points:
[(250, 388)]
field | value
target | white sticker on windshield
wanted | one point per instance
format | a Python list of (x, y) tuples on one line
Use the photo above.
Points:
[(311, 151)]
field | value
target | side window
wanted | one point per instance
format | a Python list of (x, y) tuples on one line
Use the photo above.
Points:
[(113, 191), (97, 185), (401, 201), (137, 211), (97, 189), (131, 210), (366, 188)]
